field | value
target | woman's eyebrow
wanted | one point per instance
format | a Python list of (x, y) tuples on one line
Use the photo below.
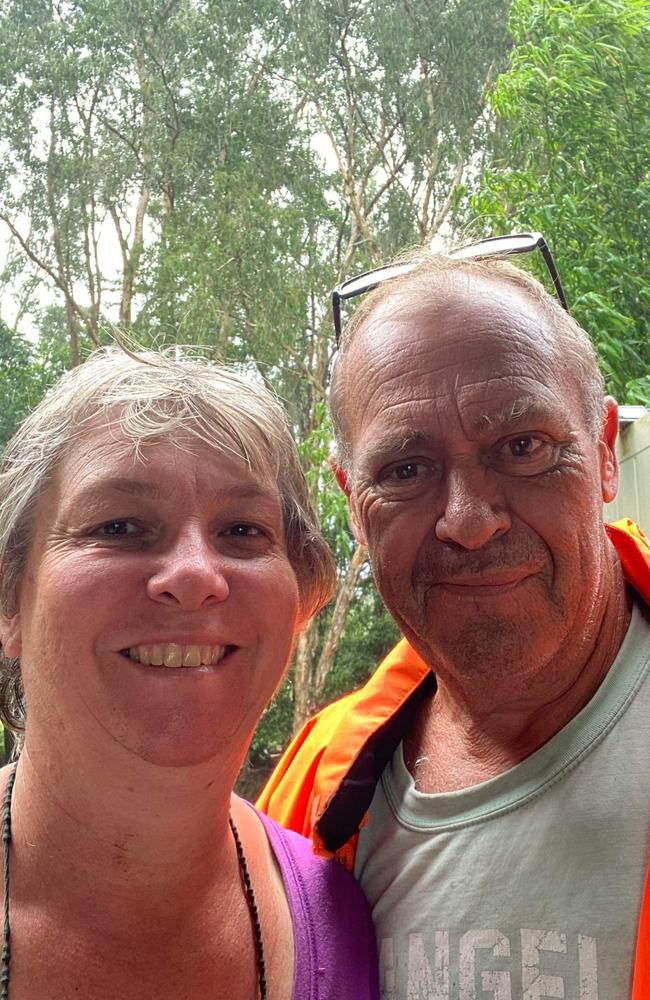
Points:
[(147, 488), (120, 484)]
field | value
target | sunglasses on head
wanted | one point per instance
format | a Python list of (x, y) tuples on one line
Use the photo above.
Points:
[(482, 249)]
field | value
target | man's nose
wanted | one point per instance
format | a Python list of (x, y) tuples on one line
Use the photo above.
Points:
[(189, 574), (474, 510)]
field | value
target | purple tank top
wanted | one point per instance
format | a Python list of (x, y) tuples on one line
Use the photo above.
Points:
[(334, 937)]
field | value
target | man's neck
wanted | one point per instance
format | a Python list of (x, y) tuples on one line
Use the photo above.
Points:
[(466, 734)]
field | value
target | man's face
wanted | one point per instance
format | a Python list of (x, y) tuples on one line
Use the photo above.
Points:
[(475, 481)]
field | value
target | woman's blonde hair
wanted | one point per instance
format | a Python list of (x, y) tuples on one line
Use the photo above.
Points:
[(149, 397)]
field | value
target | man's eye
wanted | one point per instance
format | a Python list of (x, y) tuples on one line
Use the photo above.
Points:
[(525, 455), (414, 473), (116, 529), (409, 470), (524, 446)]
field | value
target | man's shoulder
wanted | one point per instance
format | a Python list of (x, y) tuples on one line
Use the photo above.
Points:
[(633, 549)]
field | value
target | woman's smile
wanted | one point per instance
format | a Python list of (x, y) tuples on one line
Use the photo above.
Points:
[(176, 654)]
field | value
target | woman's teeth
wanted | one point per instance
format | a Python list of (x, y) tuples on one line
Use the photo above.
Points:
[(172, 654)]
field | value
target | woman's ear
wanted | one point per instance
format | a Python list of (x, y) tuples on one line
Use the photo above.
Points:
[(11, 636)]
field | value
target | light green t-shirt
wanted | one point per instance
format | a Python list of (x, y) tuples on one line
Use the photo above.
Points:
[(527, 886)]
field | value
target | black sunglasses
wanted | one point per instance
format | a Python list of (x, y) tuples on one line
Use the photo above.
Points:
[(491, 247)]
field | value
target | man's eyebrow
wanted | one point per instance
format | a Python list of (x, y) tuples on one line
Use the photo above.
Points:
[(394, 444), (524, 408)]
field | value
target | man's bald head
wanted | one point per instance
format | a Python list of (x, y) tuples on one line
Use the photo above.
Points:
[(434, 281)]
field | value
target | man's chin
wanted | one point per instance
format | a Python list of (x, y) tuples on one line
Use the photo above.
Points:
[(492, 647)]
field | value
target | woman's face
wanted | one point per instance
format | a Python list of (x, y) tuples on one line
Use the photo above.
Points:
[(158, 606)]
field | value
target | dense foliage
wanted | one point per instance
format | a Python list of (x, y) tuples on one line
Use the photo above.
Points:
[(572, 137), (204, 171)]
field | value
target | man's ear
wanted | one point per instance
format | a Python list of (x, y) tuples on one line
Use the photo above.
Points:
[(607, 449), (343, 480), (341, 476), (11, 636)]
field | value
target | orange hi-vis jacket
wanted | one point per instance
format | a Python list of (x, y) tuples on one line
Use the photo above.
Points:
[(325, 781)]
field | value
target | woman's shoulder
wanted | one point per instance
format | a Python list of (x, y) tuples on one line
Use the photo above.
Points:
[(296, 854), (333, 929)]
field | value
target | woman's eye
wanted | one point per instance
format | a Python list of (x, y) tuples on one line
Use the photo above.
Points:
[(243, 531), (118, 529)]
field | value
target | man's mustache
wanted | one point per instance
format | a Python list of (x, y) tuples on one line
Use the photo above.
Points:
[(446, 563)]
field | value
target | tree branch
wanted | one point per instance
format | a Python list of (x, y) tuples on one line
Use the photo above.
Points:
[(40, 263)]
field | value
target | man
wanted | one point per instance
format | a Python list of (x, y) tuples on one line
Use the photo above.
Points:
[(498, 760)]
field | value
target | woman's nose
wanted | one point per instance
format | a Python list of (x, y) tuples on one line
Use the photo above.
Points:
[(190, 574)]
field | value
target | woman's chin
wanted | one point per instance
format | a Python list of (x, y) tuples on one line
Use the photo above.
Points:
[(187, 747), (178, 757)]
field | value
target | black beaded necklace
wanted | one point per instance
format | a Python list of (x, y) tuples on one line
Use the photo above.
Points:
[(243, 868), (252, 909)]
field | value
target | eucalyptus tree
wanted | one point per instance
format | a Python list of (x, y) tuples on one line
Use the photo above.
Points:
[(572, 134), (72, 120), (395, 93), (129, 122)]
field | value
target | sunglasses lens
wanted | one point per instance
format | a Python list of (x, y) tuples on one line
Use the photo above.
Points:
[(364, 282), (521, 243)]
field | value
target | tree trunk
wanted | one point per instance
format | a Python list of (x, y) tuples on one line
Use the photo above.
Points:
[(309, 681), (73, 332), (303, 659)]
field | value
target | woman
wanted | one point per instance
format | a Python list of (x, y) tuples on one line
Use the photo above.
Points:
[(158, 554)]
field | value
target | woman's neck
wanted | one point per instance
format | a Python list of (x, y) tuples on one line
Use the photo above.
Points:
[(141, 835), (130, 877)]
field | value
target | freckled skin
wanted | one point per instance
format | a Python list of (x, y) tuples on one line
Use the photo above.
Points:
[(478, 488)]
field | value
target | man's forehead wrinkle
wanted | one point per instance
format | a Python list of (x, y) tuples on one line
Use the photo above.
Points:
[(382, 382), (507, 398), (515, 348), (480, 406)]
